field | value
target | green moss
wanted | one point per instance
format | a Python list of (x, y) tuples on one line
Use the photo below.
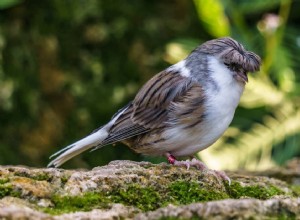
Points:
[(236, 190), (144, 198), (183, 192), (86, 202), (8, 190), (5, 190), (21, 173), (286, 216), (41, 177), (296, 190), (64, 179), (4, 180), (151, 198)]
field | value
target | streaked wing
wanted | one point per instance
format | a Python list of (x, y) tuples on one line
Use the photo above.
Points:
[(151, 104), (124, 128), (149, 109)]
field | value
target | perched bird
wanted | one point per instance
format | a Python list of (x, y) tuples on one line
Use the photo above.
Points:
[(181, 110)]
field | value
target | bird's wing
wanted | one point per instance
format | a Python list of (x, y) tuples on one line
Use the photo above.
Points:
[(152, 105)]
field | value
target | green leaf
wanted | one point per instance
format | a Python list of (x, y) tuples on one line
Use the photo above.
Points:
[(255, 6), (211, 14)]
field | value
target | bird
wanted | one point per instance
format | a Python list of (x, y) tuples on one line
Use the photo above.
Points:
[(181, 110)]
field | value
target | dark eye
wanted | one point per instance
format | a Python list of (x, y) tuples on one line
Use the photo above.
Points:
[(232, 66)]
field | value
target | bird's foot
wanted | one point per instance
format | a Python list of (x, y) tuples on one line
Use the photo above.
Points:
[(187, 163), (197, 164)]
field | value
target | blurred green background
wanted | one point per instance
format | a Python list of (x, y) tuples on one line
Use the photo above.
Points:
[(67, 66)]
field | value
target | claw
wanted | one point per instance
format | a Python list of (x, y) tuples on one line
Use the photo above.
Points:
[(223, 175), (195, 163), (188, 166)]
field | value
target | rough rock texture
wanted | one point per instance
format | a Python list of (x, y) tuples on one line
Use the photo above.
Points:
[(117, 211), (290, 173), (230, 209), (128, 190)]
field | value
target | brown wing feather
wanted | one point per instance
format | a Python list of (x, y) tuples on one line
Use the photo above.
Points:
[(186, 110), (151, 103), (124, 128), (150, 108)]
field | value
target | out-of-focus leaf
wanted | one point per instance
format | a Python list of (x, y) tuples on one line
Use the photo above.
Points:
[(211, 14), (178, 49), (261, 92), (9, 3), (255, 6)]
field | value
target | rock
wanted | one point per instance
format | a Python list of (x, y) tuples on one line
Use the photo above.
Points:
[(230, 209), (16, 212), (117, 211), (290, 173), (141, 190)]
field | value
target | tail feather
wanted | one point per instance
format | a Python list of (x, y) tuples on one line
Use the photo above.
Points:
[(61, 151), (78, 147), (94, 139)]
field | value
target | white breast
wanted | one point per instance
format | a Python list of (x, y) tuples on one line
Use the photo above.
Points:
[(222, 99)]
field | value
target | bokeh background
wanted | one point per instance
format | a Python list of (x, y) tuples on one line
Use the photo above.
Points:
[(67, 66)]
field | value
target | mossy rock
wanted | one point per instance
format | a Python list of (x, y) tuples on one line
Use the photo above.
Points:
[(141, 187)]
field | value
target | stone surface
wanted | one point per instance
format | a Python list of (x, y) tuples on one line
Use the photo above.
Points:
[(290, 173), (230, 209), (141, 190), (117, 211)]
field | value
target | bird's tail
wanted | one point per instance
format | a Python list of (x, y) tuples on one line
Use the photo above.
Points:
[(93, 140), (78, 147)]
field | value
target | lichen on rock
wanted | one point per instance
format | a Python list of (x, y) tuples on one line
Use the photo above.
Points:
[(141, 188)]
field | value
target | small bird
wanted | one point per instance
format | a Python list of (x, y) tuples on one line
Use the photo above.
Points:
[(181, 110)]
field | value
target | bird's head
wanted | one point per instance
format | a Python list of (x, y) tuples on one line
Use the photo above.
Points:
[(234, 56)]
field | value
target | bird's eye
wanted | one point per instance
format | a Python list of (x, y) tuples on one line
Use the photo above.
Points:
[(227, 64), (232, 66)]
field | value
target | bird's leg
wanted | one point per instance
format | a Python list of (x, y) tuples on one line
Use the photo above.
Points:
[(186, 163), (195, 163), (172, 160)]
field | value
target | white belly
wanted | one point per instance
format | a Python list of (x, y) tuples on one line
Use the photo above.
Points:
[(220, 106)]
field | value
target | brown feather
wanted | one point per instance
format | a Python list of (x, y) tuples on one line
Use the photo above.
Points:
[(154, 98), (149, 109), (186, 110)]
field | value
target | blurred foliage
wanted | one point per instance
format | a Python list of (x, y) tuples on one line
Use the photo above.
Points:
[(67, 66)]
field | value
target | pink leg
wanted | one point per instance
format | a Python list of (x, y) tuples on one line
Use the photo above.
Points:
[(194, 163)]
